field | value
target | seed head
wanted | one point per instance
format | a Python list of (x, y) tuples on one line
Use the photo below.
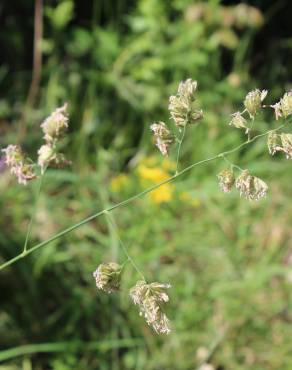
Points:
[(150, 298), (286, 140), (253, 101), (16, 161), (187, 89), (284, 107), (56, 124), (24, 173), (273, 143), (251, 187), (108, 277), (46, 154), (13, 155), (226, 180), (181, 106), (238, 121), (163, 137), (278, 110), (286, 104)]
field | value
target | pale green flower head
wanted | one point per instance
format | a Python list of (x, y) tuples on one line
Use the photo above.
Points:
[(108, 277), (56, 124), (286, 104), (18, 164), (273, 142), (46, 154), (251, 187), (286, 140), (150, 298), (182, 106), (253, 101), (238, 121), (226, 180), (13, 155), (162, 136)]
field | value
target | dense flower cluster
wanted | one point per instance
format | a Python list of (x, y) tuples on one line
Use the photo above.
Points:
[(22, 167), (226, 180), (183, 111), (56, 124), (162, 136), (253, 101), (251, 187), (284, 107), (149, 298), (19, 164), (280, 143), (54, 128), (108, 276), (239, 121), (182, 105), (252, 104)]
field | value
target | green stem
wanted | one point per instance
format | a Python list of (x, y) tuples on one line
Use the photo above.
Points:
[(179, 148), (231, 164), (114, 226), (131, 199), (33, 212)]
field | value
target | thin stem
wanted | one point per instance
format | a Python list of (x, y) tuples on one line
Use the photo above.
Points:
[(131, 199), (114, 226), (250, 128), (231, 164), (179, 148), (33, 212)]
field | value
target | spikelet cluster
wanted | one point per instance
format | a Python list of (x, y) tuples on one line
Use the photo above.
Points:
[(162, 136), (183, 112), (280, 143), (108, 277), (250, 187), (182, 105), (54, 128), (19, 164), (226, 180), (252, 104), (253, 101), (150, 298), (284, 107), (238, 121)]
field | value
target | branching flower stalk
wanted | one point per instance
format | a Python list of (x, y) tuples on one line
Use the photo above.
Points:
[(179, 148), (183, 110), (132, 199)]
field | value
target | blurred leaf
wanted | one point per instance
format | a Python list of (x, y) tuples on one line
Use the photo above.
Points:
[(61, 15)]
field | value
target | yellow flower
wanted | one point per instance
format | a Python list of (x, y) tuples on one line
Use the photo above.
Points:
[(118, 182), (161, 194), (152, 174)]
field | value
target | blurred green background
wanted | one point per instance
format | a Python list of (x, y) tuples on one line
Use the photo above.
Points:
[(116, 62)]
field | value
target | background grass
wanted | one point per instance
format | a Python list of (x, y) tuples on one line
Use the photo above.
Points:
[(228, 260)]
